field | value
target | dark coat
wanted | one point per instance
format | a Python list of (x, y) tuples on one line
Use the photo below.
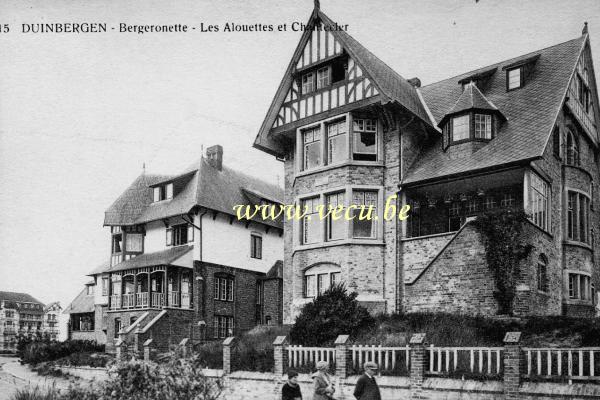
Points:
[(366, 389), (290, 392)]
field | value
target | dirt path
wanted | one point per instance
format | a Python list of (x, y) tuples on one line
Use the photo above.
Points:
[(8, 383)]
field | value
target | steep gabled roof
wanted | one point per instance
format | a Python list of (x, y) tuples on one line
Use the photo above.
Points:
[(163, 257), (203, 186), (531, 112), (392, 86)]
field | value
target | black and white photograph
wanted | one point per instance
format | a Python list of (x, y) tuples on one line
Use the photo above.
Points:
[(311, 200)]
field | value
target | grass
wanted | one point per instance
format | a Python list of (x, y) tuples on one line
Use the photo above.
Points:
[(36, 394)]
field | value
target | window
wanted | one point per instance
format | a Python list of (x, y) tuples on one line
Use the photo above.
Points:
[(460, 128), (513, 77), (578, 211), (556, 142), (320, 278), (483, 126), (579, 287), (508, 200), (323, 77), (367, 227), (308, 83), (117, 327), (90, 290), (336, 141), (583, 94), (336, 228), (539, 202), (105, 286), (117, 240), (365, 139), (259, 292), (489, 203), (223, 289), (180, 234), (255, 246), (134, 242), (311, 232), (542, 277), (472, 206), (163, 192), (223, 326), (312, 147), (572, 149)]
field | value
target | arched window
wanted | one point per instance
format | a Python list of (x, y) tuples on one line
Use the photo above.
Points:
[(319, 278), (572, 149), (542, 277)]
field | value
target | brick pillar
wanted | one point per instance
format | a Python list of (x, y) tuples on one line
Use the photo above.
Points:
[(121, 349), (227, 344), (512, 365), (184, 347), (147, 349), (417, 365), (342, 356), (281, 355)]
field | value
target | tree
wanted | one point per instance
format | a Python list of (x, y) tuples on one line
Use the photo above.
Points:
[(335, 312)]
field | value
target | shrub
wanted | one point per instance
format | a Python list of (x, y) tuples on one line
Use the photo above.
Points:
[(254, 349), (34, 352), (335, 312)]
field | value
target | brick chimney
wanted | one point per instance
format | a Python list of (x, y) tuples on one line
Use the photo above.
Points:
[(416, 82), (214, 155)]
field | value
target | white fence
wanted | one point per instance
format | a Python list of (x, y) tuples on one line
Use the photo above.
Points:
[(388, 358), (476, 360), (300, 356), (581, 363)]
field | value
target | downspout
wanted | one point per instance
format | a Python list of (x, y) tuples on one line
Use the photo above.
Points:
[(202, 281)]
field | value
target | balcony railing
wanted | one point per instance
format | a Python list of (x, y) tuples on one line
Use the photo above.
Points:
[(158, 299), (580, 113), (141, 299), (128, 300), (115, 301), (174, 299)]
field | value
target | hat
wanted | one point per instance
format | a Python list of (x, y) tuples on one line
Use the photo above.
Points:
[(292, 374), (322, 365), (371, 365)]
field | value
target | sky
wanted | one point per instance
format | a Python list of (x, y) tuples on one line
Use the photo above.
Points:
[(81, 114)]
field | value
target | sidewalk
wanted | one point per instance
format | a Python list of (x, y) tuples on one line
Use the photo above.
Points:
[(23, 373)]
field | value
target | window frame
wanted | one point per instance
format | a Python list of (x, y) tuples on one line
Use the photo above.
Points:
[(256, 246), (224, 288), (374, 224), (163, 192), (355, 137), (174, 234), (578, 216), (328, 82), (533, 201), (508, 71), (313, 286), (308, 79), (573, 153), (488, 122), (467, 125), (579, 286)]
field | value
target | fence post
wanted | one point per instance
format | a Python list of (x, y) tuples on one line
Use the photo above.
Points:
[(280, 354), (227, 344), (342, 356), (121, 348), (417, 365), (512, 365), (184, 346), (147, 350)]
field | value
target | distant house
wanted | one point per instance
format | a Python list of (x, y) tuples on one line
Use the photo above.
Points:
[(51, 325), (181, 264), (81, 311), (21, 315)]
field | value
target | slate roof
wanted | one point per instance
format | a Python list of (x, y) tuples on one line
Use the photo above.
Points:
[(471, 98), (83, 303), (530, 111), (100, 269), (164, 257), (13, 298), (203, 185)]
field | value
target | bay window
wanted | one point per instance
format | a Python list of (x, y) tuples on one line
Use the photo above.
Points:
[(579, 287), (539, 202), (483, 126), (578, 211), (336, 228), (460, 128), (365, 139)]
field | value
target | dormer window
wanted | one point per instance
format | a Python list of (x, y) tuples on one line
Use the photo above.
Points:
[(323, 77), (460, 128), (163, 192), (308, 83), (514, 78), (483, 126)]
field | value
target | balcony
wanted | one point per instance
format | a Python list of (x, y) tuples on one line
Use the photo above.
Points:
[(581, 115)]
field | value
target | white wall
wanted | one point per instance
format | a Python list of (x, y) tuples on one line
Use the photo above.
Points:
[(229, 244), (98, 298)]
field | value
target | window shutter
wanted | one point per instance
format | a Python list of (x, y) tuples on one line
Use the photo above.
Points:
[(169, 236)]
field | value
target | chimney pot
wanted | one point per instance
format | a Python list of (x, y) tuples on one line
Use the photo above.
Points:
[(416, 82), (214, 155)]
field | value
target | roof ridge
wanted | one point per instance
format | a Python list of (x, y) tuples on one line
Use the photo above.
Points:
[(503, 61)]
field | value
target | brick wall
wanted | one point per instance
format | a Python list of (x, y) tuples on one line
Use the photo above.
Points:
[(272, 305)]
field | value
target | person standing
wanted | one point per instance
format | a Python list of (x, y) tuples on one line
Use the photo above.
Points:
[(322, 382), (366, 387), (291, 389)]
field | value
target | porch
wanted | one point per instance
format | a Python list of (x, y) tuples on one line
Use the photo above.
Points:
[(444, 207), (151, 287)]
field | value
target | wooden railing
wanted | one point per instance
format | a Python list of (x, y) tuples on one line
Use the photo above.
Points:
[(300, 356), (581, 114), (115, 301), (390, 359), (185, 300), (158, 300), (174, 299), (569, 363), (141, 299), (128, 300), (474, 360)]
